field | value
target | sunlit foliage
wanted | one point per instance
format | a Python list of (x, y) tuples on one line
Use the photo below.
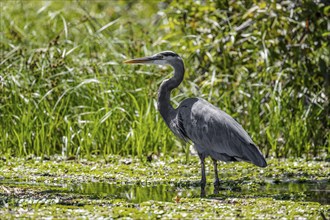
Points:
[(64, 90)]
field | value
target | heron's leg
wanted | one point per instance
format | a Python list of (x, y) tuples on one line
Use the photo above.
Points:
[(216, 177), (203, 180)]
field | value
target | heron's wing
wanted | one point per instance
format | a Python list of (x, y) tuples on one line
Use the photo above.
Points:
[(218, 132)]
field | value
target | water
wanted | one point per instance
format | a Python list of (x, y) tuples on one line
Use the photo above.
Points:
[(311, 191), (135, 193), (316, 191)]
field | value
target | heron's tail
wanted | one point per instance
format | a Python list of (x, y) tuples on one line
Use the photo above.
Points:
[(254, 155)]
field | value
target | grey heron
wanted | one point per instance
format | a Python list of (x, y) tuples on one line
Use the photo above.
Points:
[(213, 132)]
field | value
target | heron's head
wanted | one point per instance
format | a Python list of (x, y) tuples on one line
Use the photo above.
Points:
[(162, 58)]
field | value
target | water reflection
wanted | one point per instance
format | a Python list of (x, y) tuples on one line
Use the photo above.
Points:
[(311, 191), (136, 193), (318, 192)]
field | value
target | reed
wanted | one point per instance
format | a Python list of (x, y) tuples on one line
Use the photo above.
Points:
[(64, 89)]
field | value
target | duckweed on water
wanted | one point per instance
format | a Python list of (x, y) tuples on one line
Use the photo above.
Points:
[(162, 188), (260, 208), (177, 171)]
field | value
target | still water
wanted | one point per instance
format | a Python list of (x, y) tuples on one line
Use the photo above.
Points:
[(296, 191), (317, 191)]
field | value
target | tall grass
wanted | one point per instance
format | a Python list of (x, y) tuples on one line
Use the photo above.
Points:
[(64, 90)]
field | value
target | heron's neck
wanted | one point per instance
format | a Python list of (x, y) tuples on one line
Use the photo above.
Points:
[(164, 105)]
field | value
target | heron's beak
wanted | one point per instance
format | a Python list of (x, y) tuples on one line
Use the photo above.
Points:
[(142, 60)]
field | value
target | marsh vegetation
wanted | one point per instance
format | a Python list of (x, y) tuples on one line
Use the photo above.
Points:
[(72, 114)]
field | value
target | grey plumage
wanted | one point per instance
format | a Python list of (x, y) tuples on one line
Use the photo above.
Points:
[(213, 132)]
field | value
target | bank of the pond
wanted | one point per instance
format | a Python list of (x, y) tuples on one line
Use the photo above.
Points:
[(162, 188)]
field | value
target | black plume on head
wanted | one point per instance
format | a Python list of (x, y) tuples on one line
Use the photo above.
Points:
[(169, 53)]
